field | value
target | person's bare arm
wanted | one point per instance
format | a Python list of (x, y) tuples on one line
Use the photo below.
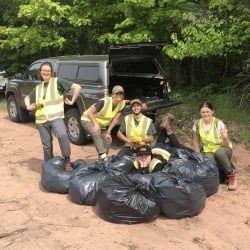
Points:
[(148, 139), (224, 135), (76, 90), (114, 122), (123, 137), (29, 106)]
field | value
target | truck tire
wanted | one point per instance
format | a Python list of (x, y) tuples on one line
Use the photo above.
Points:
[(16, 114), (75, 130)]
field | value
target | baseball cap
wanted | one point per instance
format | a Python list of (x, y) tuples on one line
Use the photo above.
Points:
[(117, 89), (143, 150), (135, 101)]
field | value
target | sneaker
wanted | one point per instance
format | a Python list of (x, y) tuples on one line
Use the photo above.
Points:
[(103, 157), (232, 182), (68, 166)]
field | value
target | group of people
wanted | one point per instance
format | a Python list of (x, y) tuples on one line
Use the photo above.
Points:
[(136, 130)]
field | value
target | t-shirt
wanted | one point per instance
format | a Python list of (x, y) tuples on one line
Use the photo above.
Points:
[(220, 125), (63, 86)]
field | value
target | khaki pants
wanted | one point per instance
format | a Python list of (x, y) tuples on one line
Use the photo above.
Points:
[(222, 159), (102, 145)]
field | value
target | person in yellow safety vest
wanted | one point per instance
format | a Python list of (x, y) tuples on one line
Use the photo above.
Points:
[(135, 129), (210, 136), (101, 118), (48, 102), (147, 160)]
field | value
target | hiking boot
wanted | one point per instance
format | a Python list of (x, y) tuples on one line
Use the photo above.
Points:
[(68, 166), (232, 182)]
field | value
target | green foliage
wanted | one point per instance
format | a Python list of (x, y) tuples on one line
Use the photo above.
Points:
[(3, 105), (42, 11), (216, 31)]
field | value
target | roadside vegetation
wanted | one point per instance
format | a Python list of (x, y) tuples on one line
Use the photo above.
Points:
[(227, 105), (3, 105)]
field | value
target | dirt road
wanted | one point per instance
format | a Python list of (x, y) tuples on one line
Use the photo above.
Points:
[(31, 218)]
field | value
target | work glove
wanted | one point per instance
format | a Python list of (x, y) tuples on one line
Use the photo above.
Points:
[(136, 139)]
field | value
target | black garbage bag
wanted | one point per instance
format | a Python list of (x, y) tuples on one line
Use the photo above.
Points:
[(178, 197), (121, 200), (79, 164), (181, 153), (144, 179), (178, 152), (122, 164), (54, 177), (83, 185), (197, 168)]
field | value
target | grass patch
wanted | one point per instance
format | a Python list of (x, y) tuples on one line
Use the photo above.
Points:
[(226, 108), (3, 105)]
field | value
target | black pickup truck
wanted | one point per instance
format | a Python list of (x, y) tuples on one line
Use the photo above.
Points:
[(134, 66)]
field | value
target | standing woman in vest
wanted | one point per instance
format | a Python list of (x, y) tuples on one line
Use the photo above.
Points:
[(210, 136), (101, 118), (48, 102)]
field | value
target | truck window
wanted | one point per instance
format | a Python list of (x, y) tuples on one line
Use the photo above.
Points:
[(32, 73), (79, 73), (88, 73), (68, 71)]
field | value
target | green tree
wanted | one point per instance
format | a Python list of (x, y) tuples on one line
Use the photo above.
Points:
[(205, 40)]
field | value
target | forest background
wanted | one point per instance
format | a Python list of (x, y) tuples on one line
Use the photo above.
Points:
[(206, 53)]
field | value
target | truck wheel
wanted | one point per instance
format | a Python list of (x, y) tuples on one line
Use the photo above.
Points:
[(76, 132), (16, 114)]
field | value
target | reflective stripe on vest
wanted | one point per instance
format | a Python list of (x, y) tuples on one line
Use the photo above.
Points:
[(140, 130), (107, 113), (212, 141), (53, 104), (161, 152), (152, 164)]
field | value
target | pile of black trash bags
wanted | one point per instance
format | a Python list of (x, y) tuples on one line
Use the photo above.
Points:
[(119, 196)]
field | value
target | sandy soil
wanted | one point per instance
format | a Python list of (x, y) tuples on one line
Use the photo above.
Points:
[(31, 218)]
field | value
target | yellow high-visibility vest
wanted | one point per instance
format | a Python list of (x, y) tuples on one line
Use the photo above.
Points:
[(52, 102), (141, 130), (164, 154), (212, 141), (107, 113)]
